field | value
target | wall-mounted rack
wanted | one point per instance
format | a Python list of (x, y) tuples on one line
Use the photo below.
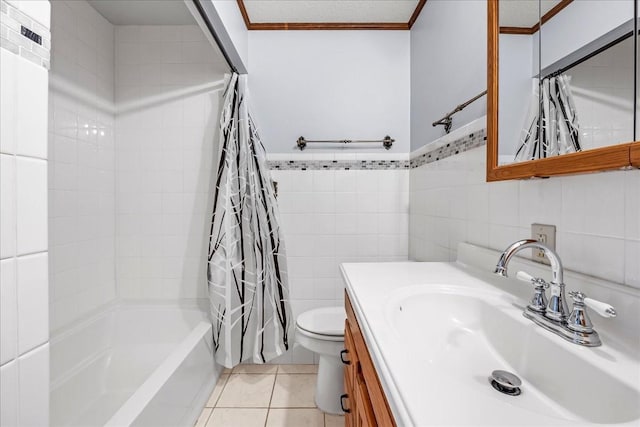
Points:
[(387, 142)]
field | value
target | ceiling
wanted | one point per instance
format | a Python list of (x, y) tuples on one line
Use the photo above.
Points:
[(144, 12), (330, 14), (524, 13)]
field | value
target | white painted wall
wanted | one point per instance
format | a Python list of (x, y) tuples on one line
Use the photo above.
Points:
[(448, 65), (235, 27), (24, 282), (330, 85), (81, 163), (581, 22)]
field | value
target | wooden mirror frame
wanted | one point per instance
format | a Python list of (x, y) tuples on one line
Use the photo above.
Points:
[(597, 159)]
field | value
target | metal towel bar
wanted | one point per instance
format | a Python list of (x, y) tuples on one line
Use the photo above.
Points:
[(387, 142)]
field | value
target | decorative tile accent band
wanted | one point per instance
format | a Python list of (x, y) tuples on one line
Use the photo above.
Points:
[(338, 164), (464, 143), (19, 34)]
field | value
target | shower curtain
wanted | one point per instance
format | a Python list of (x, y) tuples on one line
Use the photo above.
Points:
[(246, 270), (552, 123)]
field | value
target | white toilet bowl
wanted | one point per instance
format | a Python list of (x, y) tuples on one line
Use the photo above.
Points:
[(322, 331)]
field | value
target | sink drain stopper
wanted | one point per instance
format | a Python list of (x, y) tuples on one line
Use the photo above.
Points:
[(506, 382)]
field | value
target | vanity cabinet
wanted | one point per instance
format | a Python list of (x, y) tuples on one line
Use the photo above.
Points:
[(364, 399)]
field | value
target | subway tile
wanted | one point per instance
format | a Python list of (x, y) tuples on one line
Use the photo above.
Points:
[(33, 396), (31, 205), (7, 206), (8, 86), (33, 301), (594, 204), (632, 205), (504, 203), (632, 263), (9, 395), (31, 110), (8, 313), (606, 261)]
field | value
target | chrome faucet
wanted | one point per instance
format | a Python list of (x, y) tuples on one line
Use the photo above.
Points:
[(553, 315)]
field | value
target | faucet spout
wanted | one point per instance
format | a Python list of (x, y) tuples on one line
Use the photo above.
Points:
[(554, 259), (557, 308)]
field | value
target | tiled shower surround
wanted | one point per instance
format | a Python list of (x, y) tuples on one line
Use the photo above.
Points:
[(24, 281), (81, 162), (167, 95), (133, 117)]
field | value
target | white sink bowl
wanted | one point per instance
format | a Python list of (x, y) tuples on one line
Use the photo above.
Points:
[(460, 335)]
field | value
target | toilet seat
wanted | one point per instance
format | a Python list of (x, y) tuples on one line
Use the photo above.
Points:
[(323, 323)]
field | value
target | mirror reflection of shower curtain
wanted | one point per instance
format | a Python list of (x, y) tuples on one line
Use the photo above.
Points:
[(246, 271), (552, 126)]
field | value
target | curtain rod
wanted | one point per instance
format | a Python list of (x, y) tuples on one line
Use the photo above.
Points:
[(207, 12), (447, 120)]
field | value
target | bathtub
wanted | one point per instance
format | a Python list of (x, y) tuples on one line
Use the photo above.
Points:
[(133, 365)]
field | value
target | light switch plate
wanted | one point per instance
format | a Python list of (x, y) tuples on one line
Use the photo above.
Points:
[(546, 234)]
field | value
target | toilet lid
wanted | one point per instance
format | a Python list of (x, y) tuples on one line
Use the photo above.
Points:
[(323, 321)]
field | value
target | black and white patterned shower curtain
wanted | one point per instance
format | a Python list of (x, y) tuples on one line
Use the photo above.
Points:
[(552, 126), (246, 270)]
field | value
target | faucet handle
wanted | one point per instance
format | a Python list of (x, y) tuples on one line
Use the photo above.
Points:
[(538, 302), (602, 308), (579, 321), (536, 281)]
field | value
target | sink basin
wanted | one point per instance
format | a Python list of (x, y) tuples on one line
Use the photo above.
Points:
[(461, 334)]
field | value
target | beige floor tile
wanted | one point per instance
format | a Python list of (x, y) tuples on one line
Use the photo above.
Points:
[(298, 369), (294, 391), (255, 369), (238, 417), (217, 390), (295, 418), (204, 416), (333, 420), (247, 391)]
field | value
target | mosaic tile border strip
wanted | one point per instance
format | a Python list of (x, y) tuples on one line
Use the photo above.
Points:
[(338, 164), (15, 27), (464, 143)]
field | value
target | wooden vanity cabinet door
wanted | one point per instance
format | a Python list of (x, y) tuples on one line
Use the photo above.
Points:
[(350, 372), (365, 375), (364, 415)]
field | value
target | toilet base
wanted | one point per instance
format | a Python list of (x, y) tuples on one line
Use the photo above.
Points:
[(330, 385)]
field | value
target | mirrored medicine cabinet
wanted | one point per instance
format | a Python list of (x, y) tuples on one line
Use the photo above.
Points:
[(562, 94)]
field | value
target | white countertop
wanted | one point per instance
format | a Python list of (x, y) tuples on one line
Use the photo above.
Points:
[(417, 392)]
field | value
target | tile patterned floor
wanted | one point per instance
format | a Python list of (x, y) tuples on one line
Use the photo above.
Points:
[(266, 396)]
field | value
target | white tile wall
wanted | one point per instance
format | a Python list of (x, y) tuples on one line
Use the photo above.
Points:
[(33, 301), (82, 162), (9, 394), (330, 217), (31, 204), (167, 93), (9, 311), (7, 205), (603, 96), (24, 379), (33, 396), (597, 215)]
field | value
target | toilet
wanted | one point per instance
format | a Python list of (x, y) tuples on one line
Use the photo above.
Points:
[(322, 331)]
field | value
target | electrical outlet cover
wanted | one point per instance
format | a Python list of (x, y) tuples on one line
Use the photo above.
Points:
[(546, 234)]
